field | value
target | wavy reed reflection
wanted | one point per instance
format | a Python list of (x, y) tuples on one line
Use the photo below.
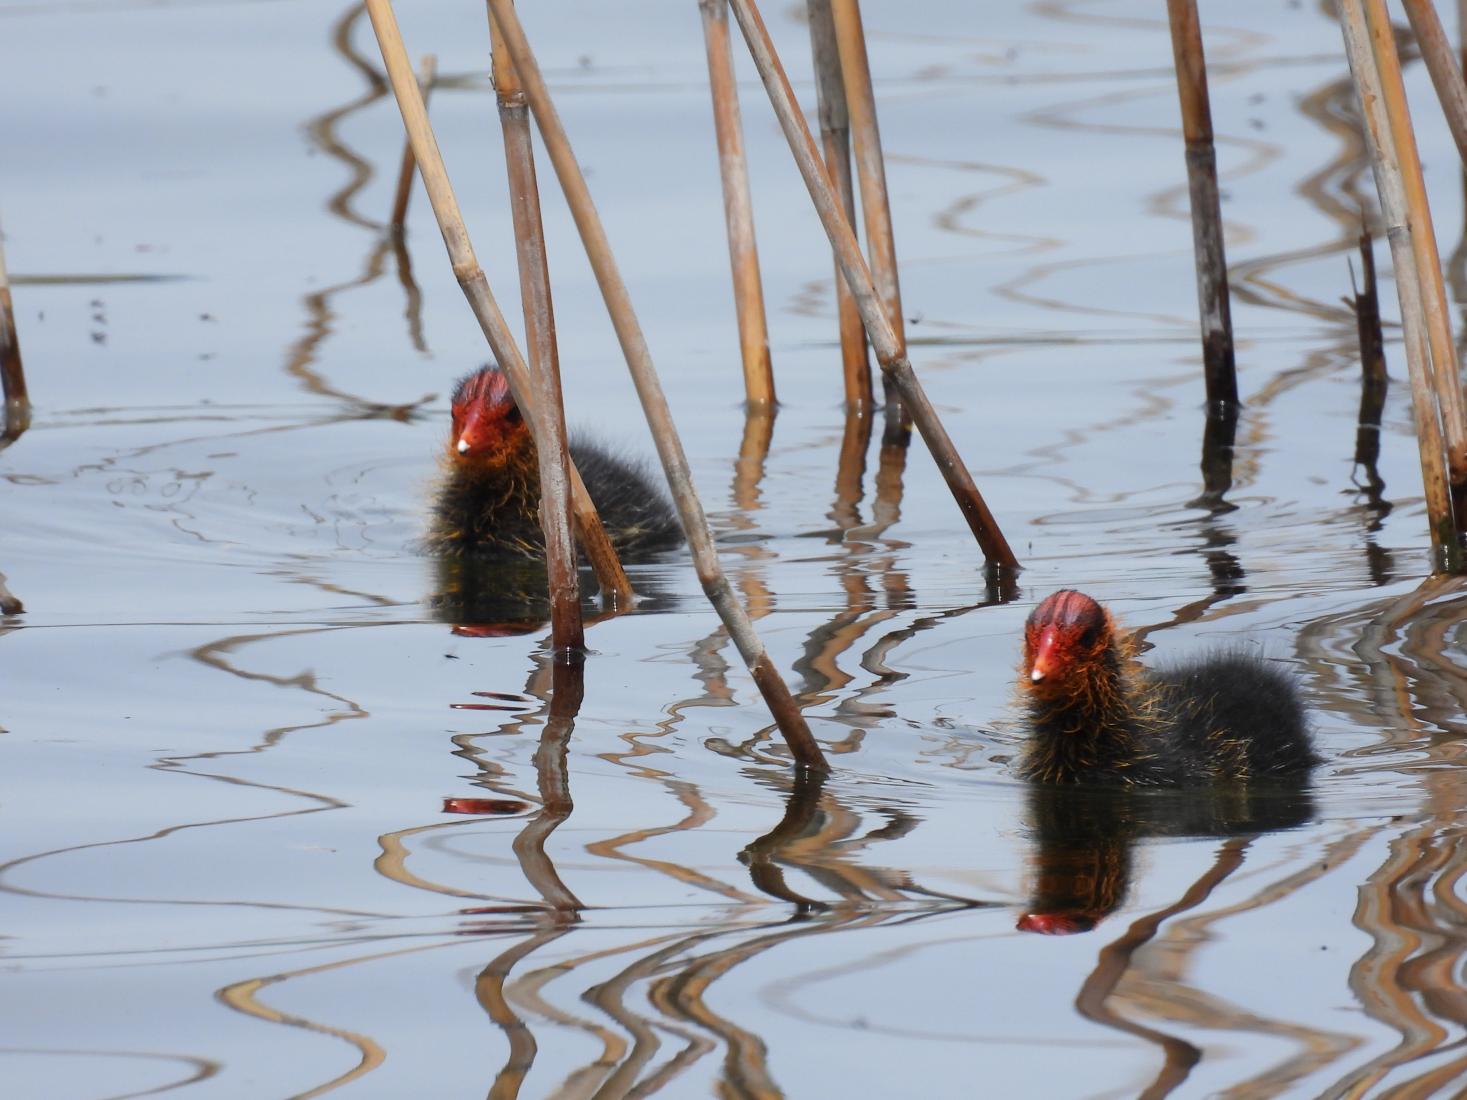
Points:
[(663, 992), (321, 315), (217, 656)]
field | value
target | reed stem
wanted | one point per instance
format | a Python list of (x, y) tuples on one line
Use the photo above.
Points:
[(566, 631), (1218, 365), (890, 349), (649, 389), (1444, 368), (472, 281), (738, 209), (427, 73), (1446, 551), (1441, 63), (855, 67), (835, 140), (17, 407)]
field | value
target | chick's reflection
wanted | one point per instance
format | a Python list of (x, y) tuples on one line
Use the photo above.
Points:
[(1084, 840)]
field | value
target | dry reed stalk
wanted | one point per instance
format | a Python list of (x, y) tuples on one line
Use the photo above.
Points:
[(649, 389), (1207, 230), (1446, 553), (1446, 74), (875, 203), (427, 73), (566, 630), (738, 209), (1444, 367), (475, 286), (890, 349), (17, 407), (835, 139), (870, 163)]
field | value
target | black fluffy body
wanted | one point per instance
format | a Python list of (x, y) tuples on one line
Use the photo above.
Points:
[(495, 516), (1229, 718)]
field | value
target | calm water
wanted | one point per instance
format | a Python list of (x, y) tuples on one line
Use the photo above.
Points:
[(231, 717)]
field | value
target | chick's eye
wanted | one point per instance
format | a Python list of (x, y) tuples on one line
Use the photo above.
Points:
[(1088, 637), (513, 416)]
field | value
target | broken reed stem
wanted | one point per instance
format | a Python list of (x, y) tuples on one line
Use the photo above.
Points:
[(17, 405), (566, 631), (1444, 368), (1446, 74), (471, 276), (835, 139), (890, 349), (1213, 306), (771, 685), (738, 209), (427, 73), (1446, 553), (1373, 377)]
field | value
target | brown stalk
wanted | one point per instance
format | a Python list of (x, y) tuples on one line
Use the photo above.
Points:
[(17, 408), (649, 389), (427, 73), (1446, 74), (870, 163), (1207, 232), (471, 276), (738, 209), (835, 139), (1446, 553), (1424, 252), (875, 203), (566, 630), (890, 349)]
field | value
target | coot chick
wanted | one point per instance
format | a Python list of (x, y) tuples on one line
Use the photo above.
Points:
[(487, 508), (1098, 717)]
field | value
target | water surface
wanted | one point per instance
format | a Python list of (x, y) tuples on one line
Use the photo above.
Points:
[(232, 716)]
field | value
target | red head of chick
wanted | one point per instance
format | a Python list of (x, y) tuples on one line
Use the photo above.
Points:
[(487, 424)]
